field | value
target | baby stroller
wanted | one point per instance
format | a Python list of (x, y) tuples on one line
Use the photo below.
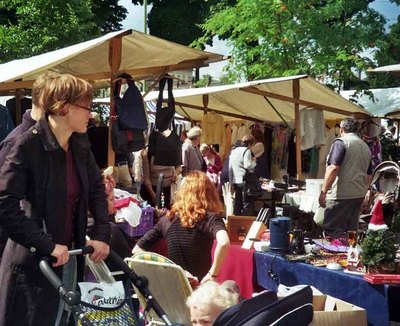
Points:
[(267, 309), (90, 315), (384, 185)]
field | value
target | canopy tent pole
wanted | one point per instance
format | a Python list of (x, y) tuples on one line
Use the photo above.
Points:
[(298, 101), (187, 115), (196, 107), (205, 103), (277, 112), (114, 60), (296, 96), (153, 85)]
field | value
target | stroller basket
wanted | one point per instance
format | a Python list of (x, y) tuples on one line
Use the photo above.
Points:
[(90, 315), (118, 316)]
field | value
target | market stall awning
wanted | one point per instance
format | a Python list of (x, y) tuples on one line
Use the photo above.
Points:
[(386, 102), (393, 69), (271, 100), (138, 54)]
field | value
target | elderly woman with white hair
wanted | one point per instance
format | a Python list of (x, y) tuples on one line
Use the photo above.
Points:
[(208, 301), (192, 159)]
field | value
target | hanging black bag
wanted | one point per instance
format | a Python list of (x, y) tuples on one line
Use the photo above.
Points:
[(166, 149), (127, 129), (164, 115), (126, 140), (130, 107)]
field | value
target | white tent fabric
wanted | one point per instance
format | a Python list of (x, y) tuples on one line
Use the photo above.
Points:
[(395, 69), (235, 101), (386, 100), (141, 55)]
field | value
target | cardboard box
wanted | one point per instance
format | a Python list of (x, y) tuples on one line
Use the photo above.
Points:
[(329, 311), (238, 227)]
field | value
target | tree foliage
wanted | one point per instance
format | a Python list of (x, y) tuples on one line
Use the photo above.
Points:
[(271, 38), (179, 20), (388, 53), (32, 27)]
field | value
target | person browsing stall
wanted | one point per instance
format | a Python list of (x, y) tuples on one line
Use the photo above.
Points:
[(346, 180), (52, 168), (192, 160), (190, 228), (240, 161), (213, 162)]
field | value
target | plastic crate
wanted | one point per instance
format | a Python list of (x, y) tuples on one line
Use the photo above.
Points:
[(146, 224)]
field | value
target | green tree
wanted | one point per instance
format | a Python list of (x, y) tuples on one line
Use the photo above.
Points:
[(33, 27), (108, 15), (179, 20), (388, 53), (273, 38)]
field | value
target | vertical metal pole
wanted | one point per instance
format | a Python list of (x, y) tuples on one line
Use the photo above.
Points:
[(145, 31), (145, 16)]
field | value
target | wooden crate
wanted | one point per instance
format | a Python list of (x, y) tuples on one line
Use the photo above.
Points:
[(237, 224)]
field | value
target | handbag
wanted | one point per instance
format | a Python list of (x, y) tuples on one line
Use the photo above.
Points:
[(126, 140), (252, 186)]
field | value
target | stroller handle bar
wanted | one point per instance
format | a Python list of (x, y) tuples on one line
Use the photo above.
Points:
[(48, 271)]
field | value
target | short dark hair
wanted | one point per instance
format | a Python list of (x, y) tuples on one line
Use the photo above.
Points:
[(350, 125)]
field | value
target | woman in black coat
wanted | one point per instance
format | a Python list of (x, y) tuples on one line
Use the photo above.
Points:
[(47, 184)]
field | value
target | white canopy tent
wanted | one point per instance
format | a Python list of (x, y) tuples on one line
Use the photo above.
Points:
[(386, 102), (138, 54), (103, 59), (393, 69), (274, 100)]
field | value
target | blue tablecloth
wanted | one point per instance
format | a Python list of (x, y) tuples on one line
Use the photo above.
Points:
[(376, 299)]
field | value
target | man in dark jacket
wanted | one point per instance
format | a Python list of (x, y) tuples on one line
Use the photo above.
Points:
[(28, 120)]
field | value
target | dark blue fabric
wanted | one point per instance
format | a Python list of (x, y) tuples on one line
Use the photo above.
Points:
[(130, 108), (348, 287), (6, 123)]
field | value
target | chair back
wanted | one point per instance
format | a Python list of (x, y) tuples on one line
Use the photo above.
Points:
[(168, 284)]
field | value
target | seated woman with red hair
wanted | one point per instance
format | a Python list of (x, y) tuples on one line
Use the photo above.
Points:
[(190, 228)]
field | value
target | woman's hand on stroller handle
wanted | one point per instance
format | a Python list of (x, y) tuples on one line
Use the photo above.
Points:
[(101, 250), (57, 257), (61, 254)]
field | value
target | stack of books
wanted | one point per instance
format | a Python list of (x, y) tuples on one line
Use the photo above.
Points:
[(382, 278)]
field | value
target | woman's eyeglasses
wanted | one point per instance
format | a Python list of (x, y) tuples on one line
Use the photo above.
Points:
[(83, 107)]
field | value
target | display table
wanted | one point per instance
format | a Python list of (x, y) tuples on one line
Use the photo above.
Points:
[(378, 300), (305, 203)]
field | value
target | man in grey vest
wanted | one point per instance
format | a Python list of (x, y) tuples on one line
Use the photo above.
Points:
[(346, 180)]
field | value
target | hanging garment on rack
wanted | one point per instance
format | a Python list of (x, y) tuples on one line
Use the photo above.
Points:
[(213, 130), (312, 128), (6, 123), (166, 149), (11, 104)]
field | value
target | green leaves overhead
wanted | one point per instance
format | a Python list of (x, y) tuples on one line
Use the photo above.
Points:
[(273, 38), (32, 27)]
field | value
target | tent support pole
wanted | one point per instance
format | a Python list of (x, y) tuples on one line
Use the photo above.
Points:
[(196, 107), (277, 112), (296, 96), (114, 60), (187, 115), (151, 87)]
